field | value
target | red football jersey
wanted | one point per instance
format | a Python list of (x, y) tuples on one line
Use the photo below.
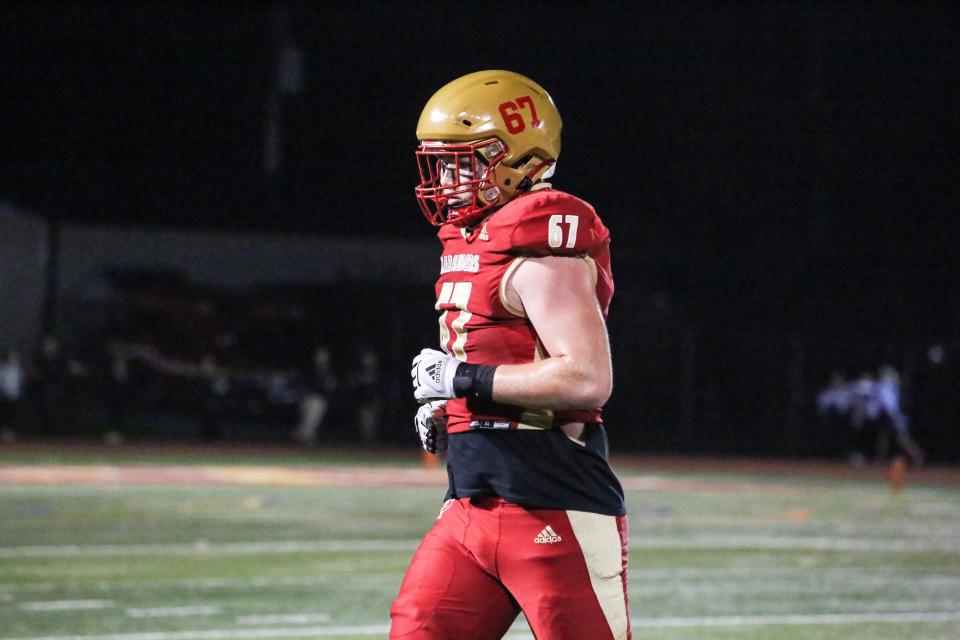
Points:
[(477, 322)]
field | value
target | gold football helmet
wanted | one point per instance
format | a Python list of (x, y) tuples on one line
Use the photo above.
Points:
[(484, 138)]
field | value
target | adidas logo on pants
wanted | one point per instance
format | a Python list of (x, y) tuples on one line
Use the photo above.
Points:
[(547, 536)]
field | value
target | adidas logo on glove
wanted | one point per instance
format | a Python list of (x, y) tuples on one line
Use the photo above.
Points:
[(434, 372), (547, 536)]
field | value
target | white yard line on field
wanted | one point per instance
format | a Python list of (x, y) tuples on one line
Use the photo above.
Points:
[(230, 634), (173, 612), (637, 623), (805, 543), (284, 618), (171, 583), (715, 541), (799, 619), (206, 548), (66, 605)]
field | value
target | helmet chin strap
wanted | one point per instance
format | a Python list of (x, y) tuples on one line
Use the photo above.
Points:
[(529, 181), (524, 177)]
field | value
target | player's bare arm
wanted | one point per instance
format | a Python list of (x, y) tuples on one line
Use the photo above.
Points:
[(559, 298)]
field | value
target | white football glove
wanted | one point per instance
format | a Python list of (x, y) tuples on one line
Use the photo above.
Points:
[(431, 424), (433, 372)]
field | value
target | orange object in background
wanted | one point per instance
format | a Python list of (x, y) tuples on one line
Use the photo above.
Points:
[(897, 473), (430, 460)]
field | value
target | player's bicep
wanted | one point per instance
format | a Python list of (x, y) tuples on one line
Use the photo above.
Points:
[(558, 296)]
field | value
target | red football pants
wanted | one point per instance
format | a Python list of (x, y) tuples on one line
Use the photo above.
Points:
[(484, 561)]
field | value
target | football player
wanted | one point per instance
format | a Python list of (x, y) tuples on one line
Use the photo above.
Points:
[(534, 518)]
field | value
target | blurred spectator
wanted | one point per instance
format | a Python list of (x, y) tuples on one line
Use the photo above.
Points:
[(892, 423), (118, 392), (864, 416), (11, 393), (214, 395), (318, 384), (51, 371), (877, 419), (365, 391)]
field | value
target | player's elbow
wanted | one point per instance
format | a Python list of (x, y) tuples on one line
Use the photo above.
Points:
[(594, 390), (602, 393)]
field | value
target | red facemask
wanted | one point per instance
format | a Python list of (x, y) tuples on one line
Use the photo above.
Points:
[(456, 183)]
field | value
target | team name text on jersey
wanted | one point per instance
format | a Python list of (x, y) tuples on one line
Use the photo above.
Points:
[(460, 262)]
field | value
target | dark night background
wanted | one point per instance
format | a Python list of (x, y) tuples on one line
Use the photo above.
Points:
[(780, 179)]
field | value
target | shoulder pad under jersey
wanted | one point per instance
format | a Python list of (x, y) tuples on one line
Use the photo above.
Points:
[(550, 222)]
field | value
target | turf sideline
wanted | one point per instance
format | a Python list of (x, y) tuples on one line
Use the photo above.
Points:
[(636, 623)]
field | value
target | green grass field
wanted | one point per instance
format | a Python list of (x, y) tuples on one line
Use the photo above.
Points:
[(714, 555)]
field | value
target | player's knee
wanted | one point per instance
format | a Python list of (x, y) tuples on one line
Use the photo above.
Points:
[(578, 614)]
